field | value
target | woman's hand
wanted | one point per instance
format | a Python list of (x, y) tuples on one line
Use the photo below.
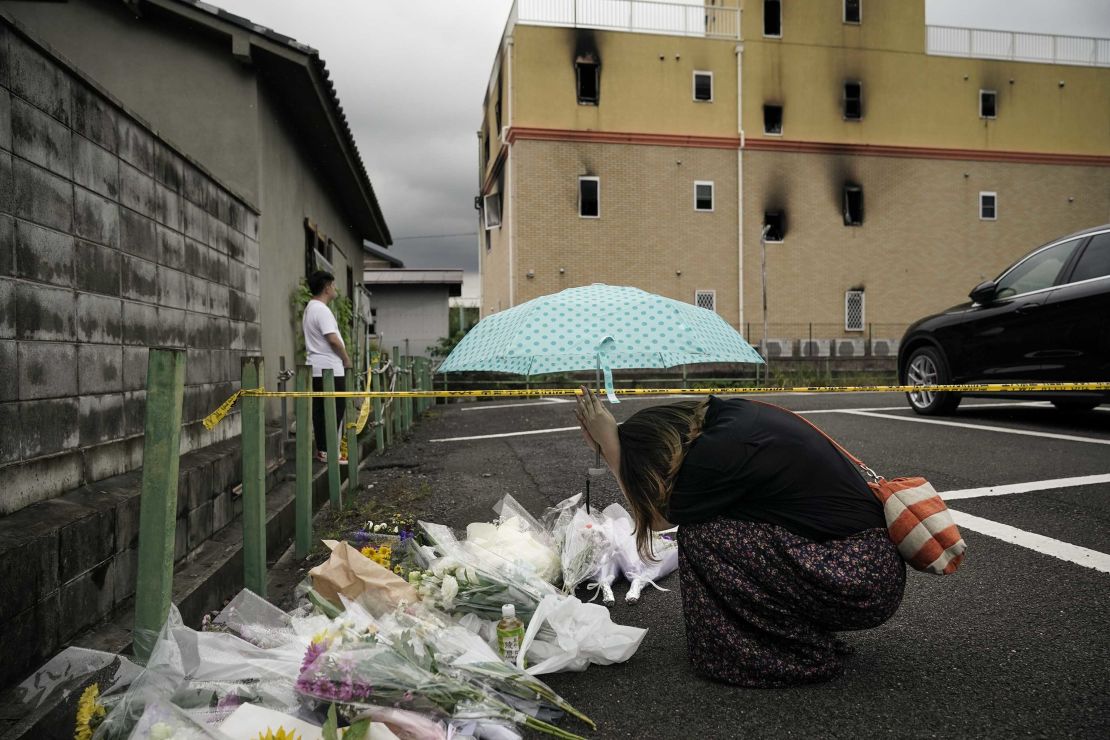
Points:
[(598, 425)]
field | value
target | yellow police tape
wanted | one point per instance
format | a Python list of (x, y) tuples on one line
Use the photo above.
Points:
[(217, 416)]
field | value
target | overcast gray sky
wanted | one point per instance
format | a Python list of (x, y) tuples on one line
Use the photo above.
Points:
[(411, 76)]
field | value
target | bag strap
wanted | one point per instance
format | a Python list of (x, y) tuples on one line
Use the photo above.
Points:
[(871, 474)]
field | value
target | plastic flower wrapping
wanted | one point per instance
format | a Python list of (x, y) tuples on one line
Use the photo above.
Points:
[(379, 654)]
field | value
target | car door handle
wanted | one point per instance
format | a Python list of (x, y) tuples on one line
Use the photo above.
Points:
[(1027, 308)]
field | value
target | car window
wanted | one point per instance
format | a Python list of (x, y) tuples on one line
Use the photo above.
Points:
[(1036, 272), (1095, 260)]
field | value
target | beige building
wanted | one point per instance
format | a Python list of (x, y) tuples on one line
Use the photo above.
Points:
[(893, 164)]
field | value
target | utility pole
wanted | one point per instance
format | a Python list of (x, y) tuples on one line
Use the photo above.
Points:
[(763, 275)]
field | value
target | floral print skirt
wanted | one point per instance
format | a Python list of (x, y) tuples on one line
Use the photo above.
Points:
[(761, 604)]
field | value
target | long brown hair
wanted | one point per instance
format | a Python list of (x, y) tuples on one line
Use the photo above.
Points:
[(654, 442)]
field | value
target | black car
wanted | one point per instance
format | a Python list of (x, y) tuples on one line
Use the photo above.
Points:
[(1046, 318)]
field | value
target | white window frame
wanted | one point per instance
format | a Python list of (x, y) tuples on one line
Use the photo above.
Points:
[(496, 198), (994, 196), (782, 119), (581, 179), (995, 94), (844, 14), (768, 35), (712, 196), (711, 293), (694, 86), (862, 310)]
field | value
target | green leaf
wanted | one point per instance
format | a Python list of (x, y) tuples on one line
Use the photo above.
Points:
[(330, 730), (358, 730)]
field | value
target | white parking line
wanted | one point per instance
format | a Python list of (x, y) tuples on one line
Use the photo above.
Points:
[(1045, 545), (506, 434), (982, 427), (1037, 485), (542, 402)]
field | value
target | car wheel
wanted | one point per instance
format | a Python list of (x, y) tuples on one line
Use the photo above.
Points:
[(927, 367), (1074, 404)]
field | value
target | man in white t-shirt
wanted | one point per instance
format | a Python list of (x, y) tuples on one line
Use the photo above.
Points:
[(325, 350)]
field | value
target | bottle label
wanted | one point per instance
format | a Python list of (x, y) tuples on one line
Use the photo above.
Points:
[(508, 644)]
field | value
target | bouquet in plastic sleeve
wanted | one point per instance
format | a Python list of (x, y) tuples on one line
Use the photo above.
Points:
[(467, 578), (585, 549), (362, 671), (519, 538), (640, 572), (464, 654)]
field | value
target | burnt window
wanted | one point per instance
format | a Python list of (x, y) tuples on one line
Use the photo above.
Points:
[(772, 18), (853, 11), (703, 195), (491, 210), (703, 86), (988, 206), (988, 104), (853, 100), (853, 205), (485, 149), (589, 197), (497, 114), (772, 119), (775, 224), (588, 73)]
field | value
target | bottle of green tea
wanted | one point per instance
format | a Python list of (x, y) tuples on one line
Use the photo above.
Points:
[(510, 634)]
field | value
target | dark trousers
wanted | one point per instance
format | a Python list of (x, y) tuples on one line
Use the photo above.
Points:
[(319, 426)]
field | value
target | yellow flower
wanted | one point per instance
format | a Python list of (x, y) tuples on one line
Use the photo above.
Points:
[(280, 734), (398, 570), (368, 552), (90, 713)]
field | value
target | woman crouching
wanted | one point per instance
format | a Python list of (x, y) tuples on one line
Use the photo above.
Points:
[(780, 542)]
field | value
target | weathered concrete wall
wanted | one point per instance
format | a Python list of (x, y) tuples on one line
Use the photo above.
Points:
[(111, 241), (417, 313), (187, 85), (292, 189)]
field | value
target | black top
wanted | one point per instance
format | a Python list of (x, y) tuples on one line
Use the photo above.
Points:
[(763, 464)]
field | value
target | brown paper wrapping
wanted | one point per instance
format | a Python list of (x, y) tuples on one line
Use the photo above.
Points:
[(356, 577)]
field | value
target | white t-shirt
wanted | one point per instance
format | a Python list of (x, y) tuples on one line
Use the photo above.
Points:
[(317, 323)]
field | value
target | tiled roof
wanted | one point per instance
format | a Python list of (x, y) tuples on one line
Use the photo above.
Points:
[(348, 140)]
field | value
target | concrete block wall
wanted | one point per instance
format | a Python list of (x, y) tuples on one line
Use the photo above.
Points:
[(68, 563), (111, 241)]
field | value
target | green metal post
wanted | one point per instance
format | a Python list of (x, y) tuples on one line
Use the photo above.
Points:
[(254, 479), (302, 409), (395, 406), (379, 429), (352, 437), (165, 383), (422, 382), (406, 403), (331, 434)]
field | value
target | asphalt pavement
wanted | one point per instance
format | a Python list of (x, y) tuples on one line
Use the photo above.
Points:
[(1016, 644)]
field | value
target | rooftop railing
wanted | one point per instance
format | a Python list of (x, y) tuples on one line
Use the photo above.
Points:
[(981, 43), (638, 16)]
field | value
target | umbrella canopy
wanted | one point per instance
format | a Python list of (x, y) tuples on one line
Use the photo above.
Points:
[(597, 326)]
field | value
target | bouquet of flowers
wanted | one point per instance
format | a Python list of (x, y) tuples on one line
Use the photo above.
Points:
[(360, 670), (518, 538), (638, 571), (464, 577), (585, 549)]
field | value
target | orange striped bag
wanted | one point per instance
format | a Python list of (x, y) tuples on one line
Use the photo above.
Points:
[(917, 518)]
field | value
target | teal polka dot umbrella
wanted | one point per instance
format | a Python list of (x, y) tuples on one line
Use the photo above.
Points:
[(597, 326)]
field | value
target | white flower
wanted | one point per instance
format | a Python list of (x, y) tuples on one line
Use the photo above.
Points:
[(449, 590), (369, 526)]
